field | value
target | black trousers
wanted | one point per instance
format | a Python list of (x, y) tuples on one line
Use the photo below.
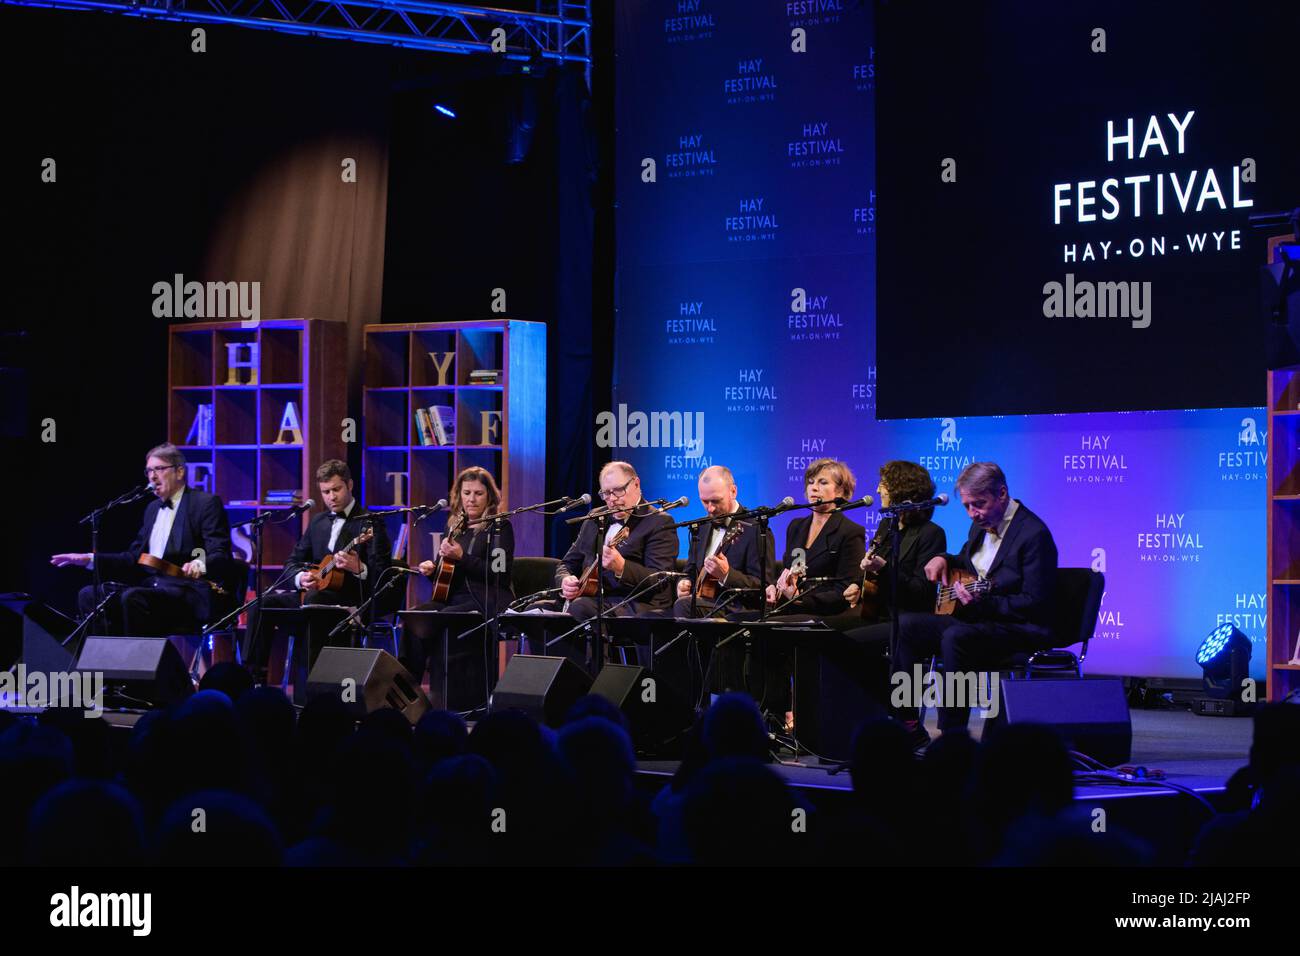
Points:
[(964, 647), (154, 610), (457, 667), (309, 640)]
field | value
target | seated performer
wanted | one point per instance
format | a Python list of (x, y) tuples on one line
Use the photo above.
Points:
[(822, 544), (921, 540), (328, 534), (865, 653), (480, 581), (176, 525), (1010, 548), (649, 547), (737, 566)]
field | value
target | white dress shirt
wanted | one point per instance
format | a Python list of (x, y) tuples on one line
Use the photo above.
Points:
[(715, 540), (162, 525), (988, 550)]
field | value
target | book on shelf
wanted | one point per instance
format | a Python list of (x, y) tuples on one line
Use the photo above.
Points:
[(200, 432), (443, 419), (399, 546), (485, 376), (424, 427)]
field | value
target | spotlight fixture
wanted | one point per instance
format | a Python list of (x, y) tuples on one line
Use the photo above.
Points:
[(1224, 659)]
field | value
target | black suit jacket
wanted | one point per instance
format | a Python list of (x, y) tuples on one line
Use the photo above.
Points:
[(651, 546), (743, 556), (920, 542), (200, 522), (837, 553), (1023, 574), (313, 547), (469, 582)]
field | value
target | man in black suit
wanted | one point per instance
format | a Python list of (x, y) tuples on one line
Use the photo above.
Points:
[(1011, 549), (631, 568), (738, 568), (327, 534), (183, 526)]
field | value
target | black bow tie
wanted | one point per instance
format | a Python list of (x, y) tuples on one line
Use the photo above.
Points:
[(338, 516), (166, 502)]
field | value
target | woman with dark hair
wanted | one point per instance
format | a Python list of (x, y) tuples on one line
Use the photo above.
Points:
[(921, 540), (479, 567)]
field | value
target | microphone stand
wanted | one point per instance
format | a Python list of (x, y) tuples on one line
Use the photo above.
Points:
[(654, 575), (93, 519), (896, 512), (254, 527), (369, 602)]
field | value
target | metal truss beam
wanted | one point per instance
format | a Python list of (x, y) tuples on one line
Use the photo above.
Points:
[(557, 30)]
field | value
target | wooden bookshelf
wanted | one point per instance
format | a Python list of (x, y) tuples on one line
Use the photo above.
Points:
[(1283, 530), (401, 375), (302, 361)]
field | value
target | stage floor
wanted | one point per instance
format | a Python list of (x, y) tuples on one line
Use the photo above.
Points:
[(1197, 752)]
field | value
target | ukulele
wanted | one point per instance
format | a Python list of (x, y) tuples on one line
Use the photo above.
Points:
[(159, 566), (446, 567), (328, 574), (945, 598), (587, 583), (706, 585)]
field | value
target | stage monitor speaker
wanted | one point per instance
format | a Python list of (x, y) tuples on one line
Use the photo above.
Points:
[(1092, 715), (367, 679), (44, 630), (139, 669), (658, 716), (542, 687)]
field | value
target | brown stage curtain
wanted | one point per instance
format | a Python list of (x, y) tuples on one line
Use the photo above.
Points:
[(315, 242)]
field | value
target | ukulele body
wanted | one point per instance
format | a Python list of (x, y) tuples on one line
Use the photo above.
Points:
[(946, 599), (159, 566)]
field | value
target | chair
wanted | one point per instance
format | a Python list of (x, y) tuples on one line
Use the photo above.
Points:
[(530, 575), (1077, 601)]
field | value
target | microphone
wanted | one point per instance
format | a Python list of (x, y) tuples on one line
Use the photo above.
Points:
[(585, 499), (299, 509), (771, 511), (905, 506), (864, 502), (679, 503)]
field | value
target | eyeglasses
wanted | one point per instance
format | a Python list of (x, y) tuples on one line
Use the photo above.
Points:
[(150, 472), (618, 492)]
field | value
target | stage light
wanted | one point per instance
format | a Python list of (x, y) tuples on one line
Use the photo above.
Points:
[(1224, 659), (445, 110)]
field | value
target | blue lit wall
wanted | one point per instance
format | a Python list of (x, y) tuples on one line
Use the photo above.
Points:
[(764, 184)]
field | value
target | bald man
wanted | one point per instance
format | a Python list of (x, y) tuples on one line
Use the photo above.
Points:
[(736, 569)]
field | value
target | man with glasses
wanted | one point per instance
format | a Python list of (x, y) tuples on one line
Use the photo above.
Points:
[(183, 526), (630, 568)]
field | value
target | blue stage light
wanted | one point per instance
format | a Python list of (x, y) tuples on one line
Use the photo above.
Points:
[(445, 111), (1224, 658)]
